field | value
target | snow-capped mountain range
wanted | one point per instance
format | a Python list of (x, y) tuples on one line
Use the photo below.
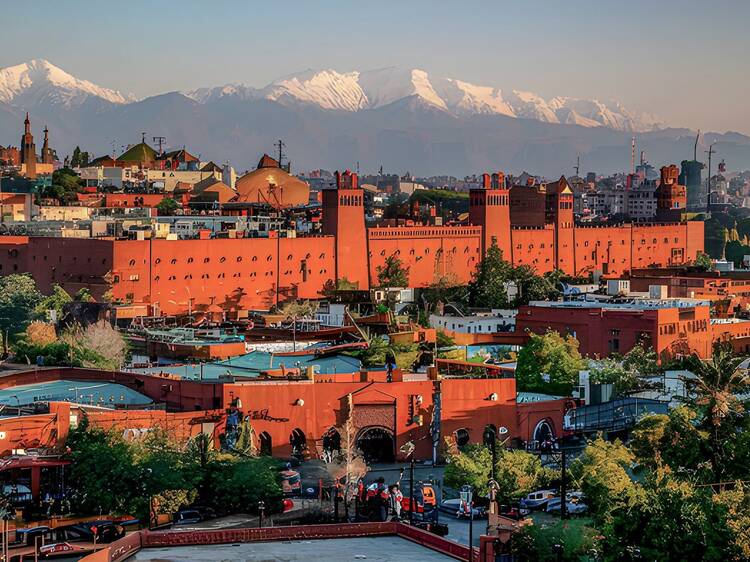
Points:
[(39, 81), (400, 119), (355, 91)]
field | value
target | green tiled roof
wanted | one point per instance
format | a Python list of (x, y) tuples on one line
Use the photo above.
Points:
[(140, 152)]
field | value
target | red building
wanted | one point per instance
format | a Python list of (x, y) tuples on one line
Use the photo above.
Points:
[(672, 328), (175, 276), (295, 415)]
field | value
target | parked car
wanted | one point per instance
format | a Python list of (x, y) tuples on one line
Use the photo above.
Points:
[(460, 509), (574, 508), (103, 531), (187, 517), (28, 536), (513, 512), (537, 500)]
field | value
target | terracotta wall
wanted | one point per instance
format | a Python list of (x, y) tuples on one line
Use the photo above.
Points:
[(671, 331), (430, 252)]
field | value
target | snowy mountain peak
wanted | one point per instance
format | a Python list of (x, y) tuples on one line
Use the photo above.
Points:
[(39, 80), (360, 90)]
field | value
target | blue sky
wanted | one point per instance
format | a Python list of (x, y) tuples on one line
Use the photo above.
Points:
[(684, 60)]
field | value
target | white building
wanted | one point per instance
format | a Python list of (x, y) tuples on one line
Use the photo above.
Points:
[(484, 323)]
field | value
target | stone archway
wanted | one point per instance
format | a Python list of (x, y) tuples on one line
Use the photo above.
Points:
[(377, 444), (544, 433)]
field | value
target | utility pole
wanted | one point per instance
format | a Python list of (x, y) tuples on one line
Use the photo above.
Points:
[(563, 487), (710, 153), (161, 141), (281, 146)]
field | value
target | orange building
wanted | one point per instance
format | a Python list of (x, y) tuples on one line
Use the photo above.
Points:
[(295, 415), (177, 276)]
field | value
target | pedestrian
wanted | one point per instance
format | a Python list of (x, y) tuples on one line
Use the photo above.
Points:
[(396, 498)]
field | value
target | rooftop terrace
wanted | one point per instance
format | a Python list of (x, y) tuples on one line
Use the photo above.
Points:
[(380, 549)]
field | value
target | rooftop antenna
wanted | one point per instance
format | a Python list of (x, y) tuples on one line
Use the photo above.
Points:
[(114, 143), (143, 137), (357, 167), (281, 146), (695, 147), (161, 141), (632, 155), (577, 167), (643, 157)]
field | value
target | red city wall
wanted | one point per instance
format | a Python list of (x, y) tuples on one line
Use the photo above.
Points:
[(431, 253), (174, 276)]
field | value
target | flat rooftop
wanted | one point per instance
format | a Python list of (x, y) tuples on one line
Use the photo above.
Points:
[(379, 549), (94, 393), (624, 304), (253, 363)]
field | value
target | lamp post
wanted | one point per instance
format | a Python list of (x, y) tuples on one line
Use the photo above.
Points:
[(261, 510), (411, 489)]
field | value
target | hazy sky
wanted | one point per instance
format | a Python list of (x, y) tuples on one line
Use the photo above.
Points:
[(684, 60)]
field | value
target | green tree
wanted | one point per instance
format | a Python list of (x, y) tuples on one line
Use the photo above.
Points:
[(54, 302), (533, 287), (238, 486), (536, 543), (517, 472), (488, 287), (79, 158), (673, 440), (18, 299), (602, 473), (703, 262), (167, 206), (393, 273), (549, 363), (103, 473), (470, 466), (165, 473), (84, 295)]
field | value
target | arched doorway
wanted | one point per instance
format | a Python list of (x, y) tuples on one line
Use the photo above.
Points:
[(266, 445), (544, 434), (462, 437), (331, 443), (377, 445), (298, 441)]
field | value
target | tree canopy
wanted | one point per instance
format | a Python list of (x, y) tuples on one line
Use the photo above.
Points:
[(549, 363), (494, 277), (393, 273)]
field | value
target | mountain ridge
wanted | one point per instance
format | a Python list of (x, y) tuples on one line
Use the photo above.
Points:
[(394, 121)]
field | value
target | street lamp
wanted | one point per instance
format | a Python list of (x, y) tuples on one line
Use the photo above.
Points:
[(558, 550), (261, 510)]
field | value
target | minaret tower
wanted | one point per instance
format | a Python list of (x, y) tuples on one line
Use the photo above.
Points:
[(28, 150)]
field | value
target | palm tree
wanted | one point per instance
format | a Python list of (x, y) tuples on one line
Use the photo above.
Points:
[(715, 390)]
